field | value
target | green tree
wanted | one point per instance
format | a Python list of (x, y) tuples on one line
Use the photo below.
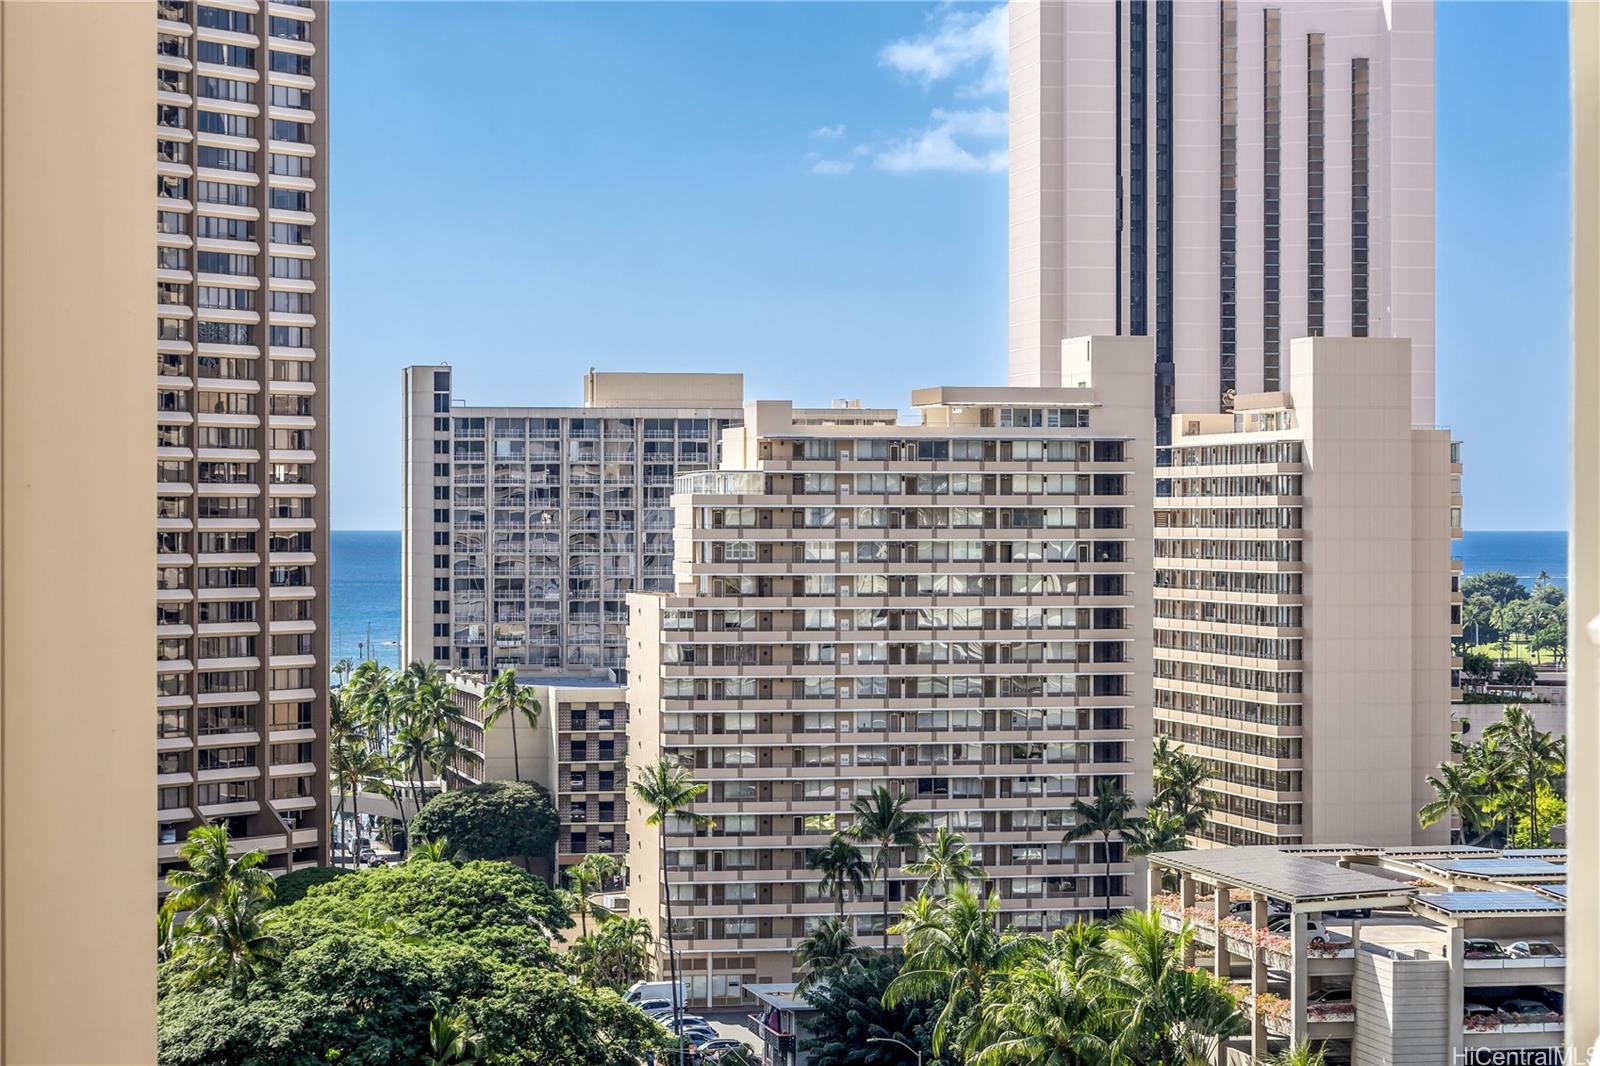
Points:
[(884, 819), (1162, 1011), (1300, 1054), (1477, 619), (1048, 1010), (1179, 785), (494, 820), (1108, 814), (452, 1041), (505, 697), (438, 849), (1499, 586), (953, 948), (1159, 830), (1538, 760), (615, 955), (227, 941), (1459, 791), (668, 791), (1477, 667), (1553, 639), (354, 764), (852, 1025), (585, 879), (843, 867), (292, 887), (1518, 675), (1552, 811), (213, 870), (946, 862), (829, 951)]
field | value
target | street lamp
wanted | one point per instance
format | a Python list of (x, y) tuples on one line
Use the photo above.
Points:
[(892, 1040)]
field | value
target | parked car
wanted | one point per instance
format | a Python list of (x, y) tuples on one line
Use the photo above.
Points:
[(1477, 947), (1321, 935), (1241, 908), (642, 990), (1527, 1010), (1329, 994), (1533, 949), (720, 1044), (1359, 912), (650, 1006)]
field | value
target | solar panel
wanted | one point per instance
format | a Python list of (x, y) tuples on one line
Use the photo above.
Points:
[(1280, 874), (1489, 902), (1558, 890), (1516, 867)]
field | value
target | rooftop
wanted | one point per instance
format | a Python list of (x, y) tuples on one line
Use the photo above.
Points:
[(782, 996), (1488, 904), (1280, 874), (1507, 868)]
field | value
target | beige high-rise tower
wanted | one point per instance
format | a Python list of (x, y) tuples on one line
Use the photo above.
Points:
[(77, 929), (242, 422), (1221, 177), (958, 611)]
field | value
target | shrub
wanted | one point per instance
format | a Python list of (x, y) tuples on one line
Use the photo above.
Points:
[(494, 820)]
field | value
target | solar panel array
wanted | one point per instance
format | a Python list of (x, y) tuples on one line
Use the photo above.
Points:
[(1468, 903)]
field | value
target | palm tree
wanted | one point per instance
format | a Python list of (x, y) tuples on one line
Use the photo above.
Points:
[(354, 764), (668, 790), (226, 939), (1537, 758), (445, 747), (505, 697), (1459, 792), (842, 866), (829, 950), (883, 818), (452, 1041), (213, 871), (1179, 781), (1159, 830), (1106, 815), (1046, 1011), (947, 862), (615, 955), (343, 668), (588, 877), (1161, 1010), (1300, 1054), (952, 949), (437, 850)]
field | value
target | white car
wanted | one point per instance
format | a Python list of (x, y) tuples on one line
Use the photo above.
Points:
[(1320, 934)]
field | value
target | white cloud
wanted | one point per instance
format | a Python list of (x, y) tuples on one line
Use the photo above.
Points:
[(836, 130), (964, 43), (833, 167), (939, 146)]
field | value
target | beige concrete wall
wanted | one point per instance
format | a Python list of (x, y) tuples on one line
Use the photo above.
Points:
[(602, 389), (77, 747), (1583, 704), (644, 747), (1366, 738)]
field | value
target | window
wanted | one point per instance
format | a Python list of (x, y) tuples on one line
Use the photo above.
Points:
[(216, 88), (289, 96), (289, 166), (286, 28), (289, 233), (230, 229), (216, 18), (290, 268), (226, 263), (222, 192), (230, 125), (231, 55), (290, 199), (1358, 197), (284, 130), (226, 158), (290, 63)]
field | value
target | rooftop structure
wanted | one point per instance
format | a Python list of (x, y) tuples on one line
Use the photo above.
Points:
[(1375, 954)]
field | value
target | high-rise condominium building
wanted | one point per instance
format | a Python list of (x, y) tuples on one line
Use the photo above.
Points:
[(242, 421), (526, 527), (1221, 177), (75, 815), (1306, 601), (958, 611)]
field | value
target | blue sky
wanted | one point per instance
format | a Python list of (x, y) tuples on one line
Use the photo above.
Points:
[(815, 194)]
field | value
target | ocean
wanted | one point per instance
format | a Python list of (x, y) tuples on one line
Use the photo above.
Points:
[(365, 595), (366, 580)]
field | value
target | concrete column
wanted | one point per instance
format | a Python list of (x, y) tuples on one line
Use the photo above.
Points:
[(1456, 1001), (1299, 966), (1258, 976), (1219, 910), (1152, 881), (1185, 901)]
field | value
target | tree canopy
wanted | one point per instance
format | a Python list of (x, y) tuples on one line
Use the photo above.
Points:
[(494, 820), (369, 960), (850, 1010), (292, 887)]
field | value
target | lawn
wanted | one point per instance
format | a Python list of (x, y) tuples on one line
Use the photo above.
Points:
[(1515, 652)]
